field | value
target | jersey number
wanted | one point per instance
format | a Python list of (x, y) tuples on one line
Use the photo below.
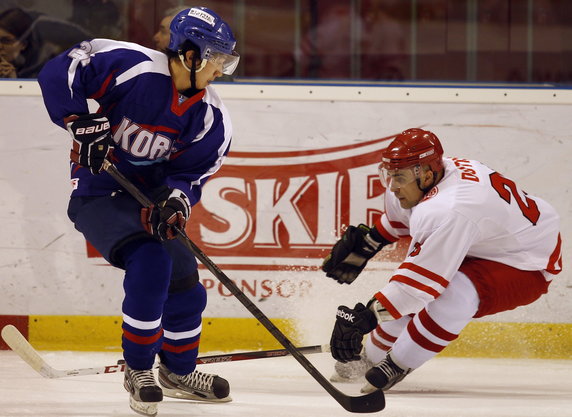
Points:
[(507, 189)]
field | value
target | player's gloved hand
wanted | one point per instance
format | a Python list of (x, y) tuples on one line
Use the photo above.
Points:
[(92, 142), (160, 218), (351, 325), (350, 254)]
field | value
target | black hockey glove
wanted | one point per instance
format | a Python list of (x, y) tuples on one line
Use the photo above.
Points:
[(174, 210), (92, 142), (351, 326), (350, 254)]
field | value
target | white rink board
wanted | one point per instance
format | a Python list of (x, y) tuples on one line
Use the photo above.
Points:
[(44, 266)]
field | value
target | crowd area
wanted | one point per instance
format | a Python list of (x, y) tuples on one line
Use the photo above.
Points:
[(374, 40), (31, 36)]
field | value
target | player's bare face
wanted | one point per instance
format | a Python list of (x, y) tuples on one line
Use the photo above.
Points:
[(405, 184), (208, 74), (408, 195), (203, 76)]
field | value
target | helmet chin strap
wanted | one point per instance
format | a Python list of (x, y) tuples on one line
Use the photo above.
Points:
[(193, 70)]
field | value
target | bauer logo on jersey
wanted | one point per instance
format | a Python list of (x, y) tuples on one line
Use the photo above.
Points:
[(202, 15)]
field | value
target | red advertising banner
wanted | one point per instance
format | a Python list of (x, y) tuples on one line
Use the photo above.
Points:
[(284, 210)]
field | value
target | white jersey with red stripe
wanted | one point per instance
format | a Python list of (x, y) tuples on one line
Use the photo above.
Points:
[(472, 212)]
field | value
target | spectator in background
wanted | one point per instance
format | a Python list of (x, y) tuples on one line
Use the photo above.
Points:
[(325, 50), (383, 42), (29, 39), (162, 36), (101, 17), (14, 24)]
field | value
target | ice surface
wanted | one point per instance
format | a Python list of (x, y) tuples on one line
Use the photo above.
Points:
[(280, 387)]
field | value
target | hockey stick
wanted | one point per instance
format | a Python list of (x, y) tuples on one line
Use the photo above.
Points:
[(26, 351), (369, 403)]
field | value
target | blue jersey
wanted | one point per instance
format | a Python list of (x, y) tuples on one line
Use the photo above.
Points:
[(161, 137)]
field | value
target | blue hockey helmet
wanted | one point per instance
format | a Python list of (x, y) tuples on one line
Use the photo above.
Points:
[(209, 33)]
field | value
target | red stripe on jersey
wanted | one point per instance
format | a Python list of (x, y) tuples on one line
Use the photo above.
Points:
[(398, 225), (425, 272), (180, 349), (382, 231), (388, 306), (422, 340), (555, 262), (379, 344), (416, 284), (384, 334), (180, 109), (99, 93), (434, 328), (153, 128), (142, 340), (75, 168)]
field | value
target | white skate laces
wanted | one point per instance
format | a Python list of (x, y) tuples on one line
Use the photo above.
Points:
[(144, 393), (385, 375), (196, 385)]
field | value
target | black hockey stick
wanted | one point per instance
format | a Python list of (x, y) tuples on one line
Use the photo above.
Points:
[(259, 354), (369, 403), (26, 351)]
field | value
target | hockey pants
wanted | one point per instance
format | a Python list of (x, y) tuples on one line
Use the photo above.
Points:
[(483, 288)]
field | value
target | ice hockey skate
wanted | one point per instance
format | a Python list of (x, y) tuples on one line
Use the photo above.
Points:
[(351, 371), (144, 393), (384, 375), (197, 386)]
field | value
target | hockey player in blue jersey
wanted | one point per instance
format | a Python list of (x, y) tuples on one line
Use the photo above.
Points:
[(165, 128)]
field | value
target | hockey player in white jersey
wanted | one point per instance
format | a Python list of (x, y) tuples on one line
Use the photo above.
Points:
[(479, 246)]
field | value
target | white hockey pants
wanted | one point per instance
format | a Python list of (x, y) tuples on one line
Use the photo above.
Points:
[(416, 339)]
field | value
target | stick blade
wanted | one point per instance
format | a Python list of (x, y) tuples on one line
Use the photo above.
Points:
[(369, 403), (22, 347)]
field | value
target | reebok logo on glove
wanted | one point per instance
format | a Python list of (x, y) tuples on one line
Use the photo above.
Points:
[(345, 315)]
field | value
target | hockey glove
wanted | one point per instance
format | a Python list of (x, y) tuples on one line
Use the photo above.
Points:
[(350, 254), (351, 326), (92, 142), (160, 219)]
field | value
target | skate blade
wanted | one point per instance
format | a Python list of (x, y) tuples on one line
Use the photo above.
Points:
[(367, 388), (183, 395), (145, 409)]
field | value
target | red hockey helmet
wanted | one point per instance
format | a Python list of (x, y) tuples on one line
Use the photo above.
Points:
[(411, 148)]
